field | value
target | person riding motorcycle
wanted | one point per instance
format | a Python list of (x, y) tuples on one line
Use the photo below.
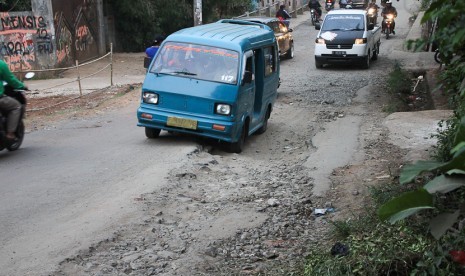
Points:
[(389, 9), (8, 105), (283, 15), (314, 4), (372, 5)]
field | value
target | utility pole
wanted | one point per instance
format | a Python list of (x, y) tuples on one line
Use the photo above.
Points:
[(197, 12)]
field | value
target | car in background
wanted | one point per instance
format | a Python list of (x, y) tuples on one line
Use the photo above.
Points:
[(282, 33), (359, 4)]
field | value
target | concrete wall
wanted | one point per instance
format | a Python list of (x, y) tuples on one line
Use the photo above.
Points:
[(52, 35), (26, 38)]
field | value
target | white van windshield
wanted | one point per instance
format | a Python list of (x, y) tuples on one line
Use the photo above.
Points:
[(197, 61), (343, 22)]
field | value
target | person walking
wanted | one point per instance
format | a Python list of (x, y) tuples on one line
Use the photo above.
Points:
[(151, 51)]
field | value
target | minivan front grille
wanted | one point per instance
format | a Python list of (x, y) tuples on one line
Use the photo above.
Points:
[(339, 46)]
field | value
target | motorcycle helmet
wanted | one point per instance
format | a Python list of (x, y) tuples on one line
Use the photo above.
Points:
[(389, 2)]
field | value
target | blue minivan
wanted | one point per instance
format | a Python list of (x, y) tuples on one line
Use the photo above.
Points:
[(217, 80)]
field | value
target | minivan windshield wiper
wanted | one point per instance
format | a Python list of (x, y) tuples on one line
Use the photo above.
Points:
[(184, 72)]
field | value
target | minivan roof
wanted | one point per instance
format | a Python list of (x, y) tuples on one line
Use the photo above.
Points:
[(261, 19), (346, 11), (228, 33)]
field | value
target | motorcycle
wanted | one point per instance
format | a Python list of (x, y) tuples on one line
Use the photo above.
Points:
[(345, 5), (372, 15), (20, 96), (314, 16), (329, 5), (388, 21)]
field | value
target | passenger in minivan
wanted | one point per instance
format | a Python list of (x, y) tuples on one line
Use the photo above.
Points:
[(228, 71), (175, 60)]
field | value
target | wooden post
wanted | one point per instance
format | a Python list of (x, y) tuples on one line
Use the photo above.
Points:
[(111, 64), (79, 78), (21, 70)]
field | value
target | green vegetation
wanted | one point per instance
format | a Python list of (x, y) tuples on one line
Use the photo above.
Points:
[(419, 229), (143, 20), (399, 88), (379, 248), (19, 5)]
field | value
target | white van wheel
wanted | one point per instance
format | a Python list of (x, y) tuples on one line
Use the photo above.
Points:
[(366, 63)]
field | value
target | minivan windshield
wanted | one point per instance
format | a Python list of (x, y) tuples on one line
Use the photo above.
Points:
[(197, 61), (343, 22)]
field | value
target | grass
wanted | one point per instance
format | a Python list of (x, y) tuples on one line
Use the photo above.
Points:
[(381, 248), (399, 87), (378, 248)]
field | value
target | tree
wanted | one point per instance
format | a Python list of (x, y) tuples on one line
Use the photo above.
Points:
[(138, 22), (15, 5)]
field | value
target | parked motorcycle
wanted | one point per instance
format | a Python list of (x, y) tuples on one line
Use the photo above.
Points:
[(388, 22), (20, 96), (329, 5), (314, 16)]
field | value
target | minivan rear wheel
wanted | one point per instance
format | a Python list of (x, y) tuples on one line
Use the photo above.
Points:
[(152, 132)]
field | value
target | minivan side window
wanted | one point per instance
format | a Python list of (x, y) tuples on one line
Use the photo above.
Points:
[(270, 60)]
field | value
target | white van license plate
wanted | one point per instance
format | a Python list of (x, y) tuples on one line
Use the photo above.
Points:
[(181, 122), (339, 53)]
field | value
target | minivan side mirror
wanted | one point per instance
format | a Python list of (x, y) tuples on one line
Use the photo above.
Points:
[(317, 26), (248, 77), (371, 26)]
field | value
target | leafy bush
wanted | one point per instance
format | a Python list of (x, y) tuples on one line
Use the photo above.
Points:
[(19, 5), (143, 20)]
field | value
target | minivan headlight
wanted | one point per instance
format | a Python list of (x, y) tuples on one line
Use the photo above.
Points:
[(150, 98), (223, 109)]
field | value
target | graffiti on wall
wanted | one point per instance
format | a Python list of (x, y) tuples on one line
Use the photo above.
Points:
[(76, 30), (64, 40), (23, 36)]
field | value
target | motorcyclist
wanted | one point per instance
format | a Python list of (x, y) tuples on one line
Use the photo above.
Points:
[(283, 15), (343, 3), (8, 105), (389, 9), (314, 4), (372, 5)]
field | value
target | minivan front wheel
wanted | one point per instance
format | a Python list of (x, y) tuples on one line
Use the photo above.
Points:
[(238, 146)]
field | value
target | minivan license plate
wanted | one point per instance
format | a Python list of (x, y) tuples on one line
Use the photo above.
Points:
[(181, 122), (339, 53)]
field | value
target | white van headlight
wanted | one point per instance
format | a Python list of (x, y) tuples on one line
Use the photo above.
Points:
[(150, 98), (360, 41), (223, 109), (320, 41)]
